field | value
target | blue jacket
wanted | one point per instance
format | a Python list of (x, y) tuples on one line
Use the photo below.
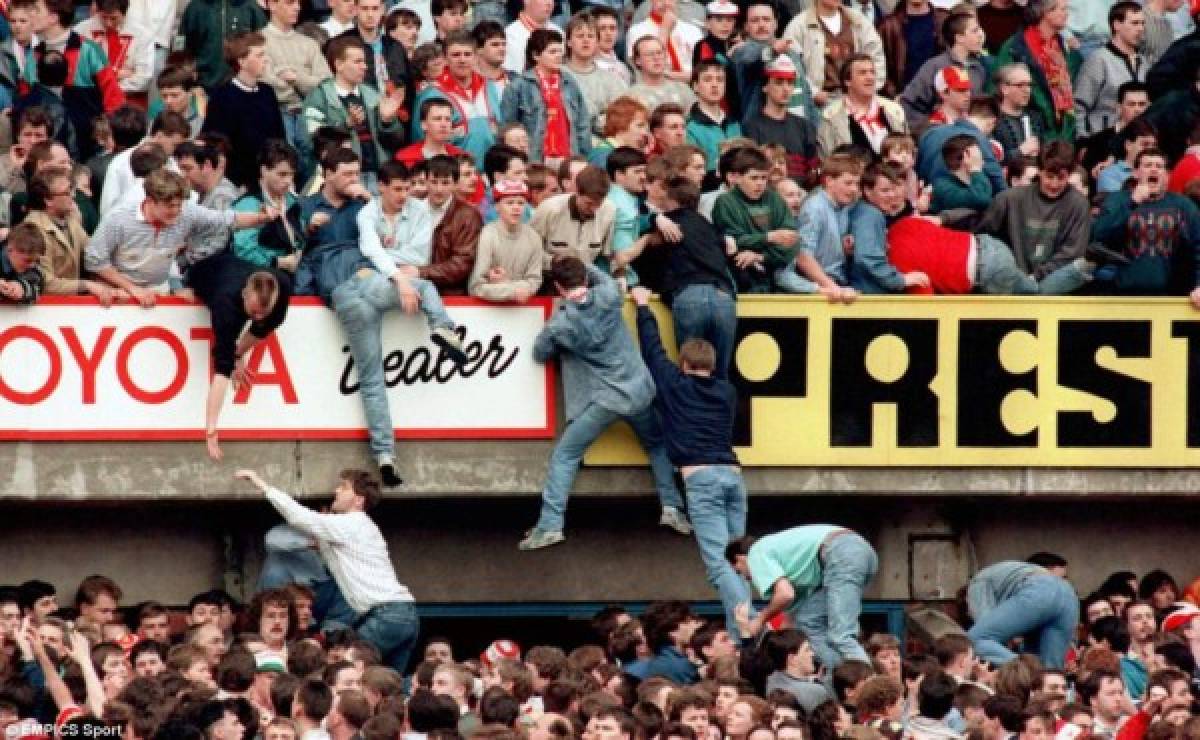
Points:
[(673, 666), (821, 226), (333, 256), (929, 153), (523, 104), (697, 411), (872, 273), (601, 363)]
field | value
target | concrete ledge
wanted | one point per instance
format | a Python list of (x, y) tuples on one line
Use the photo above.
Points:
[(105, 471)]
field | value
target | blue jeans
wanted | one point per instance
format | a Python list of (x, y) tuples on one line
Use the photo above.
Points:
[(360, 304), (829, 616), (998, 273), (392, 628), (716, 500), (578, 436), (1044, 609), (281, 567), (789, 280), (706, 312), (293, 126)]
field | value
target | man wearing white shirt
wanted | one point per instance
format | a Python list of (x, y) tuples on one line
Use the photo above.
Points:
[(342, 19), (679, 38), (168, 131), (535, 15), (353, 548), (395, 232), (160, 18)]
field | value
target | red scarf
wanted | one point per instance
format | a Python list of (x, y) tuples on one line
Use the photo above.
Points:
[(1048, 54), (460, 96), (558, 127), (676, 65)]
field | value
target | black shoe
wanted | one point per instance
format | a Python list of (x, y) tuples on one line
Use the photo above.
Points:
[(387, 472), (450, 344), (1102, 255)]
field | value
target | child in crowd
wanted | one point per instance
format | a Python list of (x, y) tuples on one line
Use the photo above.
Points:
[(900, 151), (708, 124), (508, 265), (823, 234), (759, 221), (964, 185), (792, 194)]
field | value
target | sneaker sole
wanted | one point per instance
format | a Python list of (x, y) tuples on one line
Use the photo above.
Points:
[(540, 546), (456, 355)]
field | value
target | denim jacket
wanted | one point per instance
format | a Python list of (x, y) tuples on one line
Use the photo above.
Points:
[(523, 104), (998, 582), (601, 363)]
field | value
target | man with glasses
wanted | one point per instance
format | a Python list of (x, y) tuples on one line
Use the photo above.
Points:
[(1018, 127), (53, 210)]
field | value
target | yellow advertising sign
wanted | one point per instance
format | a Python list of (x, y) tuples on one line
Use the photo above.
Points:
[(958, 381)]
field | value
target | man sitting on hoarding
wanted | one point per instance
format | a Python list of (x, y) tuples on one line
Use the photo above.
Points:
[(395, 233)]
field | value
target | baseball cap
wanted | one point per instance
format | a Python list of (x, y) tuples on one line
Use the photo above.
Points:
[(952, 78)]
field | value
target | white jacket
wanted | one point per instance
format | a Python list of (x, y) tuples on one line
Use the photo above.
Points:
[(809, 40), (136, 57)]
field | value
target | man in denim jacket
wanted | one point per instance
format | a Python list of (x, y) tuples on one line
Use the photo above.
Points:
[(606, 381)]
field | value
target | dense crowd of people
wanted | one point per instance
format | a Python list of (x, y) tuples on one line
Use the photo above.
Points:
[(1120, 664)]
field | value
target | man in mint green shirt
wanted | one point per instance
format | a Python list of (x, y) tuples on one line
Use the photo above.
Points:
[(817, 574)]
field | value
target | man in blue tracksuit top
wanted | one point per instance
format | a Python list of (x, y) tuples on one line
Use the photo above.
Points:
[(697, 410)]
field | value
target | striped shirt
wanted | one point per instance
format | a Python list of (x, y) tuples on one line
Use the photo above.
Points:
[(142, 251), (352, 547)]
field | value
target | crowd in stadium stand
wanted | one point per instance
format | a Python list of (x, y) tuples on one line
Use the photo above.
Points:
[(381, 155)]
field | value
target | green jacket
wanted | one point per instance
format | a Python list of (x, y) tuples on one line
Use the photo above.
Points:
[(1017, 50), (949, 193), (323, 107), (205, 26), (733, 214)]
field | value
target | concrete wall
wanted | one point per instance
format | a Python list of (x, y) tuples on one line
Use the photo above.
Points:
[(463, 549), (147, 471)]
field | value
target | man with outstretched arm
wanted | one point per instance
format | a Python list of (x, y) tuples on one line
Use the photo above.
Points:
[(353, 548)]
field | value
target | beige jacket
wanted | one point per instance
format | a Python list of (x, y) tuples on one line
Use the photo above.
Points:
[(563, 234), (834, 130), (805, 33), (62, 261)]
